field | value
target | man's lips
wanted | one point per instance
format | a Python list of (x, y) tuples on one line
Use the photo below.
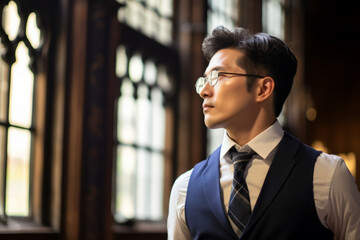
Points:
[(207, 106)]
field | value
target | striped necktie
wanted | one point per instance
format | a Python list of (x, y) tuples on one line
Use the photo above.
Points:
[(239, 204)]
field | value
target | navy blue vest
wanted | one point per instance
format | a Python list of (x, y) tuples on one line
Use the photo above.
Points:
[(285, 208)]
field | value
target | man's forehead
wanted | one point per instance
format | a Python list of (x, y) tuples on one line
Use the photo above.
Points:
[(225, 59)]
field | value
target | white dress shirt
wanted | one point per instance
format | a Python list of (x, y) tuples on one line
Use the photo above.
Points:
[(336, 196)]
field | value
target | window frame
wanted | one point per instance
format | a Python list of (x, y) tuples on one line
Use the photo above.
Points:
[(125, 35), (43, 221)]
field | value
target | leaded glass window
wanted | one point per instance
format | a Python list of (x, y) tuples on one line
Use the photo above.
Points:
[(20, 42), (151, 17), (273, 18), (222, 12), (141, 126)]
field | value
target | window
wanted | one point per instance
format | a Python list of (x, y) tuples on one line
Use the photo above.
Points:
[(153, 18), (273, 19), (141, 136), (145, 69), (17, 131), (223, 12)]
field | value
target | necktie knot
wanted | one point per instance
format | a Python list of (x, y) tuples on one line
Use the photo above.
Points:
[(240, 159)]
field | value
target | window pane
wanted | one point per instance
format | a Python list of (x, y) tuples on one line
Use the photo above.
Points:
[(32, 31), (134, 15), (157, 188), (143, 117), (21, 89), (222, 12), (18, 165), (150, 72), (165, 7), (143, 203), (273, 17), (125, 179), (126, 114), (165, 29), (121, 61), (11, 21), (158, 120), (151, 17), (150, 25), (136, 68)]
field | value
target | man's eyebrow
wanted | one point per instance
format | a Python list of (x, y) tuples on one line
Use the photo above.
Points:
[(215, 68)]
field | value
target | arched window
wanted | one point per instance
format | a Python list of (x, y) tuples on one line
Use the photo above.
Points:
[(145, 68), (20, 44)]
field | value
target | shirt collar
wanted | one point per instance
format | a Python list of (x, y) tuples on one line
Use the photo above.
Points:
[(262, 144)]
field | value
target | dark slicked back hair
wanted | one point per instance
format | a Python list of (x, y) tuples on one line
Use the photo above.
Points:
[(264, 55)]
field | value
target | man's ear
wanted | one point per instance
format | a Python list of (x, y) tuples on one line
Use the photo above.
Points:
[(265, 88)]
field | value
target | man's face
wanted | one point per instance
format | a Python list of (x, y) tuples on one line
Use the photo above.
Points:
[(228, 104)]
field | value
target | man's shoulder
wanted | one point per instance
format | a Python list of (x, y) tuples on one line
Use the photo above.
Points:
[(182, 181), (327, 163)]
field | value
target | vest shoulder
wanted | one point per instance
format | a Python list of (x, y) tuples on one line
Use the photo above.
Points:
[(213, 157)]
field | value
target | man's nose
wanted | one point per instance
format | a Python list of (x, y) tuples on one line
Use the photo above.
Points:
[(206, 91)]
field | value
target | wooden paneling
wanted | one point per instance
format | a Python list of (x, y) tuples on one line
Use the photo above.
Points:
[(332, 59)]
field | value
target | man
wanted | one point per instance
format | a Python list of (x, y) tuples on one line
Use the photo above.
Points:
[(280, 188)]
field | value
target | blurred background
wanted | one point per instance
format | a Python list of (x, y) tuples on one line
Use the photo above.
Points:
[(99, 114)]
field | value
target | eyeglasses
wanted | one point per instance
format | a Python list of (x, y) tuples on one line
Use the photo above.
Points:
[(213, 78)]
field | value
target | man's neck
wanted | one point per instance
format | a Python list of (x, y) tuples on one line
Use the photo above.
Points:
[(244, 135)]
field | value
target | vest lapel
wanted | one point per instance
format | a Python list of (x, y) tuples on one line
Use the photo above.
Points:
[(280, 169), (211, 183)]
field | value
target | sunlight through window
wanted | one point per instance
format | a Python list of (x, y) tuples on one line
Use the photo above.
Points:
[(152, 18), (16, 108), (273, 19), (21, 89), (141, 138), (17, 186)]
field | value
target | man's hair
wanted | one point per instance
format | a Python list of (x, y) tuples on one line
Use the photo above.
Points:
[(264, 55)]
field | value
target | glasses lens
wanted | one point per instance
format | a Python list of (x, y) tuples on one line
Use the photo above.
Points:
[(199, 84), (213, 77)]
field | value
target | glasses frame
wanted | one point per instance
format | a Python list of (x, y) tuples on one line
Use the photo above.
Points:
[(213, 78)]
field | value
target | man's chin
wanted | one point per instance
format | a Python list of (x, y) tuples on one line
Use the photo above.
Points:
[(212, 125)]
